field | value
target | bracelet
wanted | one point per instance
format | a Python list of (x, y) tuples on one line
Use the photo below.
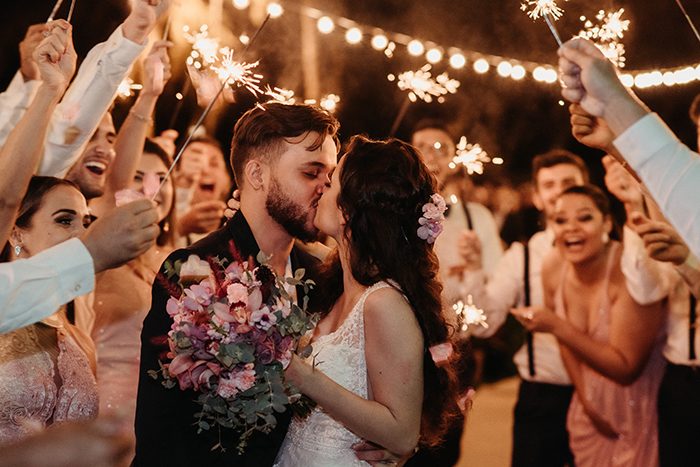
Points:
[(138, 116)]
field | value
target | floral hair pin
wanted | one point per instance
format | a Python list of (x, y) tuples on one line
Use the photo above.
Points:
[(441, 353), (431, 220)]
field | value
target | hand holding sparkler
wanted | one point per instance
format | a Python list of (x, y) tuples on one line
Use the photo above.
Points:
[(206, 84), (143, 18), (157, 70), (55, 56), (32, 38), (589, 79)]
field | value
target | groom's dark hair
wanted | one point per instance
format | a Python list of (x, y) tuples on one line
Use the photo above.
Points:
[(261, 130)]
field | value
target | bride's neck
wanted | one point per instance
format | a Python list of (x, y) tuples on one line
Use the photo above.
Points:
[(350, 284)]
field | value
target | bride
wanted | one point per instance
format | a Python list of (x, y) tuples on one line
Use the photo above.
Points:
[(379, 370)]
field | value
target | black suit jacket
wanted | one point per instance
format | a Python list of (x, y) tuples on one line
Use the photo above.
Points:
[(165, 430)]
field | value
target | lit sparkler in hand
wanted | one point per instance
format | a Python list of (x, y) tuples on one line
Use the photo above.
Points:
[(607, 34), (547, 9), (236, 73), (469, 314), (127, 87), (421, 85), (473, 157)]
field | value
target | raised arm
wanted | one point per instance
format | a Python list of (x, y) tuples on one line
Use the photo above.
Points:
[(394, 354), (20, 155), (95, 86)]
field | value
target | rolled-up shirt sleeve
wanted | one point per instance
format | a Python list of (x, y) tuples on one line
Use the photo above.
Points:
[(34, 288), (87, 99), (670, 171), (647, 280), (14, 102)]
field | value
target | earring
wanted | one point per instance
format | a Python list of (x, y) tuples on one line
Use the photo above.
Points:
[(606, 237), (18, 250)]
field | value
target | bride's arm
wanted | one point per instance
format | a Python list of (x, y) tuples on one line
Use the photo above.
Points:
[(394, 355)]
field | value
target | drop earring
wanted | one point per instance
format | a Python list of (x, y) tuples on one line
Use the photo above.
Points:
[(606, 237), (18, 250)]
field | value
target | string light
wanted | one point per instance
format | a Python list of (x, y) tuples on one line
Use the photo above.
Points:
[(353, 36), (325, 25), (517, 72), (612, 24), (275, 10), (433, 55), (379, 42), (241, 4), (504, 69), (457, 61), (415, 48)]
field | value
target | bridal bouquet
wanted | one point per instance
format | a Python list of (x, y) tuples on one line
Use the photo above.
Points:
[(234, 329)]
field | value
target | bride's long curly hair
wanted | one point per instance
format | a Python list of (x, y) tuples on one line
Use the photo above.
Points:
[(383, 187)]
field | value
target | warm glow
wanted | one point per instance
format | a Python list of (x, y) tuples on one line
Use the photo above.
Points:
[(517, 73), (457, 61), (275, 10), (415, 47), (353, 36), (379, 42), (241, 4), (504, 69), (433, 55), (481, 66), (325, 25)]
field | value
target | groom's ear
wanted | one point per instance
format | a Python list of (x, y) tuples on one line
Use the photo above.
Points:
[(255, 174)]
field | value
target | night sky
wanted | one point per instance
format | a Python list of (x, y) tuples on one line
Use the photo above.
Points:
[(511, 119)]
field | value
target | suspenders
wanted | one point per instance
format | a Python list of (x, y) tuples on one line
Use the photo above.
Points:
[(527, 302), (691, 329)]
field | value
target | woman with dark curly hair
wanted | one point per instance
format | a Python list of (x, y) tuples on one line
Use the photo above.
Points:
[(379, 369)]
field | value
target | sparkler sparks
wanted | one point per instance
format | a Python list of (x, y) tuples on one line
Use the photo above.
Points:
[(473, 157), (205, 49), (127, 87), (237, 73), (542, 8), (329, 102), (281, 95), (469, 315), (421, 85), (607, 33)]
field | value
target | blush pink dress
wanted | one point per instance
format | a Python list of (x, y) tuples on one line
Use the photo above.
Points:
[(46, 377), (630, 410)]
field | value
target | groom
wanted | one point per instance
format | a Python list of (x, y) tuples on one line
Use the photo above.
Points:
[(282, 157)]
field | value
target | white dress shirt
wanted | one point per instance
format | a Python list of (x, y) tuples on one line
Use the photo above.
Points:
[(34, 288), (670, 171), (447, 252), (77, 116)]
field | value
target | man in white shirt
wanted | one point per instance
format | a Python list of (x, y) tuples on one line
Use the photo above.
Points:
[(32, 289), (88, 98), (668, 168), (539, 431)]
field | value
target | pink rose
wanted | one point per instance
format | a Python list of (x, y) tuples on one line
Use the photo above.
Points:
[(263, 318), (237, 293), (244, 378), (227, 388)]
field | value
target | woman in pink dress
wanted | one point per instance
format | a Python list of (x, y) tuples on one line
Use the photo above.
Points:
[(47, 368), (610, 344)]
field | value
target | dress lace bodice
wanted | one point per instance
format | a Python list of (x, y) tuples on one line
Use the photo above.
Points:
[(319, 440), (41, 384)]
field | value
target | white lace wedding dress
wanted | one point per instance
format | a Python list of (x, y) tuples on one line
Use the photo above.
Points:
[(318, 440)]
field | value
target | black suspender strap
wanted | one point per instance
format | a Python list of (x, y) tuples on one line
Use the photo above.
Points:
[(527, 302), (470, 223), (691, 329)]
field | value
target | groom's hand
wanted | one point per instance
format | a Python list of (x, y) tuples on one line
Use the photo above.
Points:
[(377, 456)]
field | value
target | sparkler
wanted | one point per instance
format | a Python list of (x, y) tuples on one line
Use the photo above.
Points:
[(687, 18), (211, 104), (607, 34), (238, 74), (421, 85), (126, 88), (329, 102), (281, 95), (56, 6), (473, 157), (469, 314), (205, 49), (70, 11), (547, 9)]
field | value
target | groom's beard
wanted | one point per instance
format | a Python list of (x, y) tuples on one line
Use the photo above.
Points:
[(290, 215)]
